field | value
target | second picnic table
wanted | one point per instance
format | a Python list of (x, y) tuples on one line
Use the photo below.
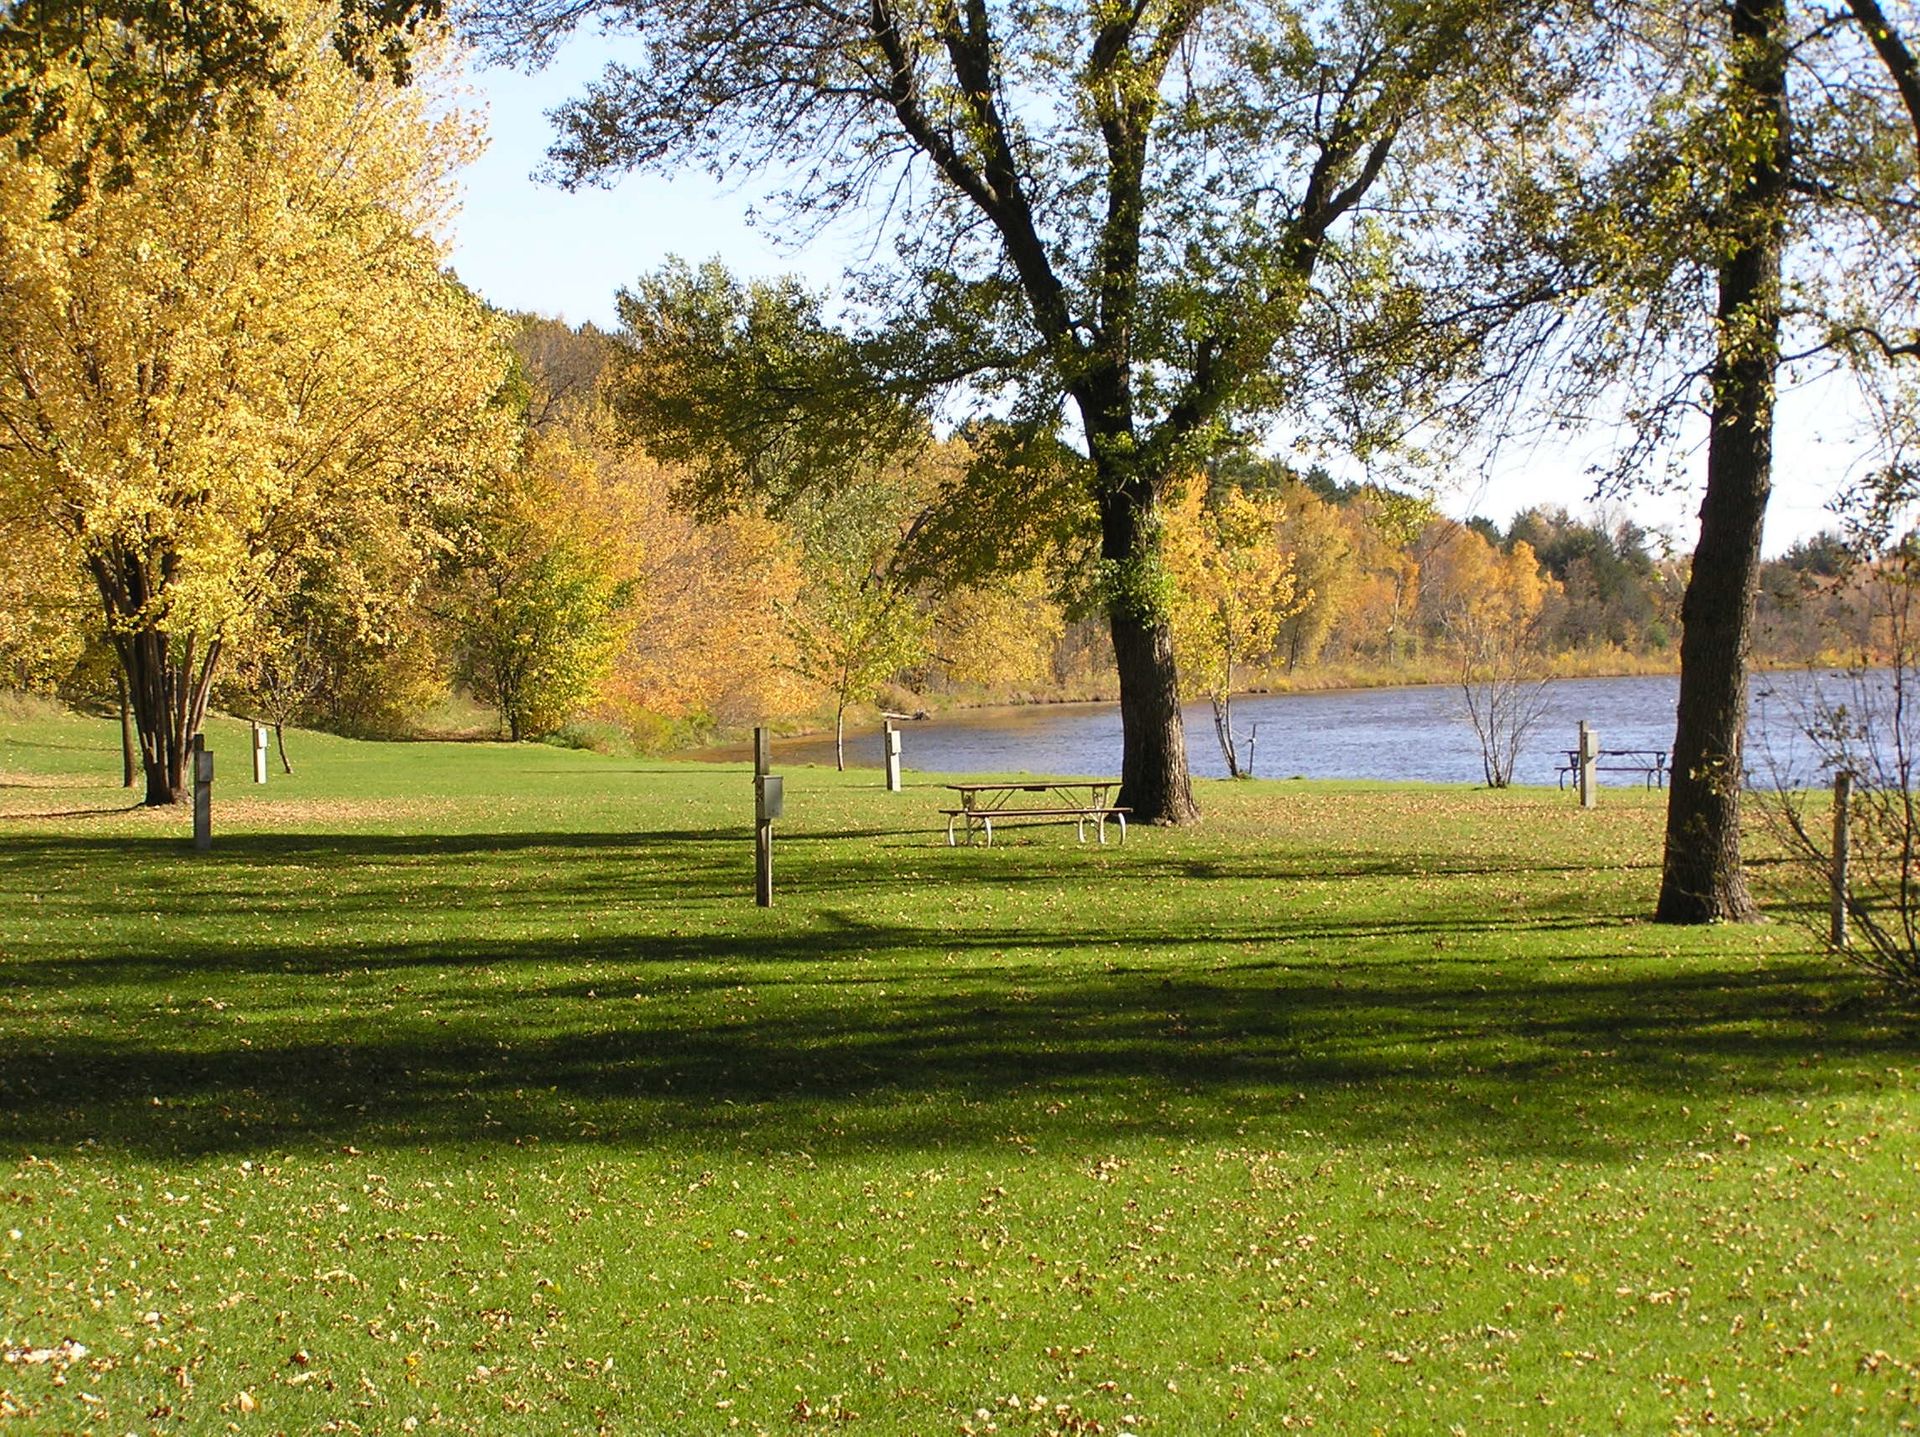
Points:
[(1082, 800), (1649, 763)]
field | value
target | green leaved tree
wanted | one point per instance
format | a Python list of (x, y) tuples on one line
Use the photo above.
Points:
[(1151, 227), (856, 621), (1735, 203), (544, 590)]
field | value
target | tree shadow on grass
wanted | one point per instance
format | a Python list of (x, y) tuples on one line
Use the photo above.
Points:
[(256, 1015), (686, 1042), (115, 810)]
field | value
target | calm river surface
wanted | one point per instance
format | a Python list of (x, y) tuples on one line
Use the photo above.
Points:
[(1391, 733)]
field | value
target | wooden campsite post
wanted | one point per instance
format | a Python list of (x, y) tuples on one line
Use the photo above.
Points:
[(767, 806), (202, 794), (259, 753), (1842, 800), (1589, 760)]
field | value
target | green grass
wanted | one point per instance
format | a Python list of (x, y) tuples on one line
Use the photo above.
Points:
[(463, 1087)]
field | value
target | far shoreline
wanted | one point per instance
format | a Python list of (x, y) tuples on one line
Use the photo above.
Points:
[(929, 709)]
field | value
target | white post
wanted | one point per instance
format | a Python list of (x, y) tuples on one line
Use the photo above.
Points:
[(1589, 759), (259, 753), (202, 794), (891, 737)]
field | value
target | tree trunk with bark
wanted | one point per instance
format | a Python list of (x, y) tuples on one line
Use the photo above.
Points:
[(168, 679), (129, 765), (168, 695), (1153, 753), (1702, 879), (1223, 730)]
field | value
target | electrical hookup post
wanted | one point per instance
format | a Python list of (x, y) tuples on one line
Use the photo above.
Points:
[(890, 741), (202, 794), (1589, 760), (259, 753), (768, 805)]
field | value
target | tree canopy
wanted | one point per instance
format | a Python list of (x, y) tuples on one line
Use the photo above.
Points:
[(1735, 204), (244, 356), (143, 74), (1157, 224)]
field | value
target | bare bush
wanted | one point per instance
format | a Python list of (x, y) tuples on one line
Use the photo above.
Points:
[(1865, 720)]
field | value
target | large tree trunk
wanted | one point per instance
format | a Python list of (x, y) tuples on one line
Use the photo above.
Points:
[(1153, 752), (128, 765), (168, 695), (1702, 879), (167, 682)]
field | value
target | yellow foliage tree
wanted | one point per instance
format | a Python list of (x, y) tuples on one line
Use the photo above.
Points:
[(1324, 573), (856, 622), (1489, 604), (236, 360), (1000, 632), (707, 648), (45, 606), (1234, 587), (549, 573)]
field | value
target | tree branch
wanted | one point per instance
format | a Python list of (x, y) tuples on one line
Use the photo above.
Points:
[(1894, 54)]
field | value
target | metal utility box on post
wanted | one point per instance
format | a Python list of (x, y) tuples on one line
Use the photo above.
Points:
[(259, 753), (890, 736), (202, 794), (1589, 762), (768, 804)]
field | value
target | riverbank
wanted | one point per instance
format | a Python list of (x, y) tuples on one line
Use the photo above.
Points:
[(1416, 731), (864, 719), (1319, 678)]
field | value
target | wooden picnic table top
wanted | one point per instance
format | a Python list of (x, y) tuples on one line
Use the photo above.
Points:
[(1068, 789)]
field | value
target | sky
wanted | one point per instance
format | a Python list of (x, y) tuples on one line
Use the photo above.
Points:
[(527, 244)]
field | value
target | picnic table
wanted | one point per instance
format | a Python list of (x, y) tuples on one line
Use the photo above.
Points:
[(1083, 800), (1649, 763)]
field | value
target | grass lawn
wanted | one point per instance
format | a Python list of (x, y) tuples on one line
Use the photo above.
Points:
[(462, 1087)]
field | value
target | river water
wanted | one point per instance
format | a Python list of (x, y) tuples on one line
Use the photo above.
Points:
[(1387, 733)]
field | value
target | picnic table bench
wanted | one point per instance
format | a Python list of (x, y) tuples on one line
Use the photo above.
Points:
[(1649, 763), (984, 804)]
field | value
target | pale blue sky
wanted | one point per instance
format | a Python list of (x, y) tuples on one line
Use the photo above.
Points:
[(530, 245)]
